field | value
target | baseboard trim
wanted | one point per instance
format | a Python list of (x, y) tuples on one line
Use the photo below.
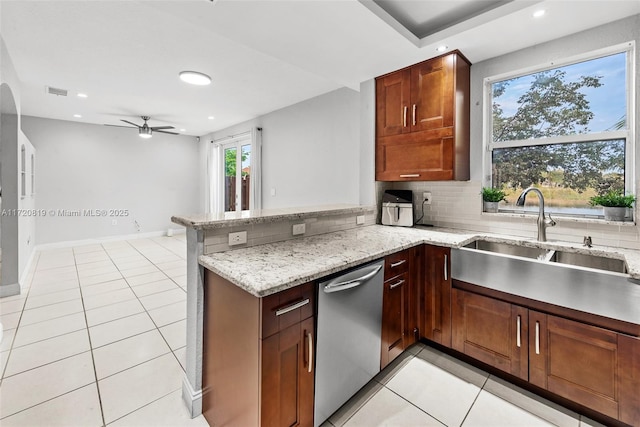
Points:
[(27, 267), (192, 399), (71, 243), (10, 290)]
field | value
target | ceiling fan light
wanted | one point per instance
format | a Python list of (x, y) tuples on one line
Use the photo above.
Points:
[(144, 133), (195, 78)]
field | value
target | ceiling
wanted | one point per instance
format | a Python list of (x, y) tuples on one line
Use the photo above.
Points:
[(263, 55)]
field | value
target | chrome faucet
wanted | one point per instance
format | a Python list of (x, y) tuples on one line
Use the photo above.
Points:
[(543, 222)]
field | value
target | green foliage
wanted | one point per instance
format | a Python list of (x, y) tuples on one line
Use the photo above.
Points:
[(230, 162), (613, 199), (492, 194), (553, 106)]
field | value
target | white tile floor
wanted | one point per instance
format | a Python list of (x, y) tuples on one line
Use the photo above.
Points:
[(98, 338), (425, 387)]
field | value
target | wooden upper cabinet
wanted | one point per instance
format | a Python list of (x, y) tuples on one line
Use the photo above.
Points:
[(432, 94), (422, 121), (392, 100)]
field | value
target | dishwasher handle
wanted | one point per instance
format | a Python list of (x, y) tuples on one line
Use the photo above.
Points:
[(336, 285)]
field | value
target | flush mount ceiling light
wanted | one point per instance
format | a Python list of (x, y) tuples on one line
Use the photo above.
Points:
[(77, 116), (539, 13), (195, 78), (82, 95), (442, 48), (210, 117)]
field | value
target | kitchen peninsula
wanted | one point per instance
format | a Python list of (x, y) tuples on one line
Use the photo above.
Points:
[(340, 237)]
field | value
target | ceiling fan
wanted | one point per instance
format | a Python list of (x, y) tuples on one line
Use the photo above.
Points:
[(145, 131)]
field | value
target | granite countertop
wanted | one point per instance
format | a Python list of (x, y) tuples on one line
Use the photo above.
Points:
[(232, 219), (270, 268)]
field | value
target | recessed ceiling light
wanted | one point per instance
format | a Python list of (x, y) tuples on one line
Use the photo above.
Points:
[(82, 95), (77, 116), (210, 117), (539, 13), (442, 48), (195, 78), (183, 130)]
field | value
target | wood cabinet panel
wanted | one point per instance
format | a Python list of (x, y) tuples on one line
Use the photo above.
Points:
[(392, 101), (287, 381), (422, 121), (629, 378), (492, 331), (436, 297), (395, 302), (576, 361), (432, 94)]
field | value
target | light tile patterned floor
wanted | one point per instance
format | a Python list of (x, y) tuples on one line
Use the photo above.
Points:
[(98, 338), (425, 387)]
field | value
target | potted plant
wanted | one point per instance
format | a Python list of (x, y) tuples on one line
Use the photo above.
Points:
[(615, 204), (491, 197)]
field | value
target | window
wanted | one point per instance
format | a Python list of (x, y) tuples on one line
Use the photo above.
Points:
[(33, 175), (565, 129), (235, 178), (23, 171)]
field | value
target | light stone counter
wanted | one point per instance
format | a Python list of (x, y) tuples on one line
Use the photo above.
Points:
[(267, 269), (233, 219)]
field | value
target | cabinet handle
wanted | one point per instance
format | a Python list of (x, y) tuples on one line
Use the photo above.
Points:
[(395, 264), (292, 307), (404, 120), (414, 114), (518, 341), (395, 285), (410, 175), (446, 274), (310, 337), (537, 337)]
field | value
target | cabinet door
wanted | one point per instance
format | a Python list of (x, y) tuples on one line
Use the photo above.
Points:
[(492, 331), (394, 318), (288, 376), (437, 295), (392, 103), (576, 361), (432, 94), (426, 156)]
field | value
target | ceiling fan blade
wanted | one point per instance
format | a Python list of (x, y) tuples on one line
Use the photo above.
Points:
[(119, 126), (162, 127), (164, 131), (131, 123)]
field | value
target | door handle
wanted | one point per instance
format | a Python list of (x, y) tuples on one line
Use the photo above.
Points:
[(537, 337), (518, 338), (446, 274), (341, 286), (414, 114), (404, 120), (310, 338)]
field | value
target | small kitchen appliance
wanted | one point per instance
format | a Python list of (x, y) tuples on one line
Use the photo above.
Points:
[(397, 208)]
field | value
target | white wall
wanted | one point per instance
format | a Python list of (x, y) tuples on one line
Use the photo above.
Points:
[(310, 151), (85, 166)]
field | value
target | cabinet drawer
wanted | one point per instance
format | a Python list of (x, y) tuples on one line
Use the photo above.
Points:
[(286, 308), (395, 264)]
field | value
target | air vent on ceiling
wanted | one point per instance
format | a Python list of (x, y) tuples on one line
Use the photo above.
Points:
[(56, 91)]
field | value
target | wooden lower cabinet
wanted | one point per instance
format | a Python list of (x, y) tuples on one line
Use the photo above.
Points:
[(400, 301), (258, 365), (436, 295), (591, 366), (287, 378)]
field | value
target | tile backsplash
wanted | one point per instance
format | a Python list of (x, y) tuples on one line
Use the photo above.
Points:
[(458, 204), (217, 240)]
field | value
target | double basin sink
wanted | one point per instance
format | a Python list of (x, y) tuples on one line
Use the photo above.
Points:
[(551, 255)]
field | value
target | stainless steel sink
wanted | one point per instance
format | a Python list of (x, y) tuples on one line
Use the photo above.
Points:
[(551, 255), (509, 249), (589, 261)]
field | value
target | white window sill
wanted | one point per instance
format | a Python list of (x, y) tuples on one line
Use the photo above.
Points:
[(561, 218)]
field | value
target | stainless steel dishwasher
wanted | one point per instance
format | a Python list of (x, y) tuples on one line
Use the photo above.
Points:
[(348, 336)]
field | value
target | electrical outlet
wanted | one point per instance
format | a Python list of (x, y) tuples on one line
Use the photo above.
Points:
[(426, 196), (299, 229), (237, 238), (359, 219)]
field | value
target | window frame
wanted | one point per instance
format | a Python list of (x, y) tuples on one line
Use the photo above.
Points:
[(628, 135)]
